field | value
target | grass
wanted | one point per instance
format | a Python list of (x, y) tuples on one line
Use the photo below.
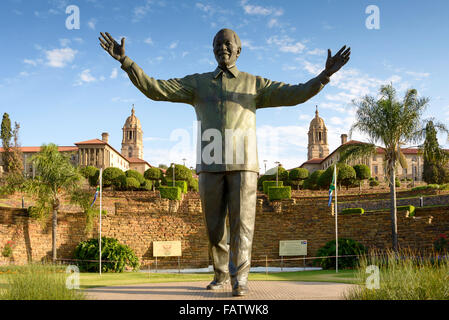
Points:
[(36, 282), (91, 280), (403, 276)]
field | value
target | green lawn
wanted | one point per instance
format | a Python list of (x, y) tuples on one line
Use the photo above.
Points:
[(90, 280)]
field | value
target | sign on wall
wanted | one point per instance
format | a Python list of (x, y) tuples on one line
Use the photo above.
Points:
[(293, 248), (167, 249)]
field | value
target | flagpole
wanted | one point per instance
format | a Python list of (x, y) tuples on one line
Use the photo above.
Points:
[(336, 220), (101, 193)]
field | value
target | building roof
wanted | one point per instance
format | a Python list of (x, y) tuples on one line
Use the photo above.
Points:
[(93, 141), (137, 160), (37, 149), (314, 161), (317, 121)]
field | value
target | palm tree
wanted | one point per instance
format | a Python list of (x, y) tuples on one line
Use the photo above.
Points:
[(55, 176), (390, 123)]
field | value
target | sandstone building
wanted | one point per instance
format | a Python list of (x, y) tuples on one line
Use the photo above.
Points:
[(318, 157), (99, 153)]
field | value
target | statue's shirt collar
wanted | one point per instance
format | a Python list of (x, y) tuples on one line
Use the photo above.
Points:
[(232, 70)]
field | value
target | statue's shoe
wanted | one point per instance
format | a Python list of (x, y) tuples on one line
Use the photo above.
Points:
[(240, 290), (215, 285)]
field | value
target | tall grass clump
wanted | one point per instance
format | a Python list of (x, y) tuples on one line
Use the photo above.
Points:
[(405, 275), (36, 282)]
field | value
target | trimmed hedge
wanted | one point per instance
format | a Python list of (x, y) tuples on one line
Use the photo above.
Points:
[(267, 184), (172, 193), (178, 183), (279, 193), (147, 185), (409, 208), (132, 184), (352, 210), (136, 175)]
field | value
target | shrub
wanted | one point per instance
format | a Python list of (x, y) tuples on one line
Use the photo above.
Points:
[(283, 174), (193, 184), (279, 193), (110, 174), (312, 181), (147, 185), (136, 175), (346, 175), (119, 182), (345, 247), (362, 171), (181, 173), (427, 187), (91, 174), (298, 175), (374, 183), (325, 179), (153, 174), (120, 255), (409, 208), (172, 193), (267, 184), (441, 244), (263, 178), (178, 183), (132, 184), (353, 210)]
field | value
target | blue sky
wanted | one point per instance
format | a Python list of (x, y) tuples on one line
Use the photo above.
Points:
[(63, 88)]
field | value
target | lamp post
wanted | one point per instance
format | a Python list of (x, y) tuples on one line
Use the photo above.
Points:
[(413, 172), (173, 169), (265, 163), (184, 160), (278, 164)]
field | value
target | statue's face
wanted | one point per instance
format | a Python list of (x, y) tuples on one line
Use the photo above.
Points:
[(226, 49)]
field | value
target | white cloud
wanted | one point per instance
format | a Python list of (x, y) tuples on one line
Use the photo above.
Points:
[(316, 52), (114, 73), (173, 45), (418, 75), (85, 77), (64, 42), (262, 11), (91, 24), (30, 62), (59, 58), (148, 41), (286, 44)]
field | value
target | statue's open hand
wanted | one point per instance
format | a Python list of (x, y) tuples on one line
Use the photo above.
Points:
[(111, 46), (333, 64)]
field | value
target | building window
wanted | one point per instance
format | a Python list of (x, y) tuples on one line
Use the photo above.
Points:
[(375, 169)]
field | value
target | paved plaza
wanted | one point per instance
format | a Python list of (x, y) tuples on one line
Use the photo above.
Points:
[(259, 290)]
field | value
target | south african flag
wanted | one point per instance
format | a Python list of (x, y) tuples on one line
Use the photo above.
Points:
[(95, 197), (332, 187)]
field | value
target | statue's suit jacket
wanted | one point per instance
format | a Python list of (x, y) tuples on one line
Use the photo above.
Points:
[(225, 103)]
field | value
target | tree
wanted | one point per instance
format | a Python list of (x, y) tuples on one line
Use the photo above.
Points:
[(14, 178), (325, 179), (298, 175), (111, 176), (434, 157), (362, 172), (391, 123), (136, 175), (154, 175), (55, 176), (181, 173), (312, 181), (6, 135), (345, 175)]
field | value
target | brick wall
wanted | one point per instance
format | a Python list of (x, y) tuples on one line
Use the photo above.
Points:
[(137, 219)]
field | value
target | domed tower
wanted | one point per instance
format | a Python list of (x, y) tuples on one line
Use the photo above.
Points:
[(132, 142), (318, 146)]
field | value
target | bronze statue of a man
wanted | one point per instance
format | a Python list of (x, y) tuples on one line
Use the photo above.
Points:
[(225, 103)]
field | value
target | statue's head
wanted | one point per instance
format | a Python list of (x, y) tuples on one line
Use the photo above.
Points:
[(227, 47)]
